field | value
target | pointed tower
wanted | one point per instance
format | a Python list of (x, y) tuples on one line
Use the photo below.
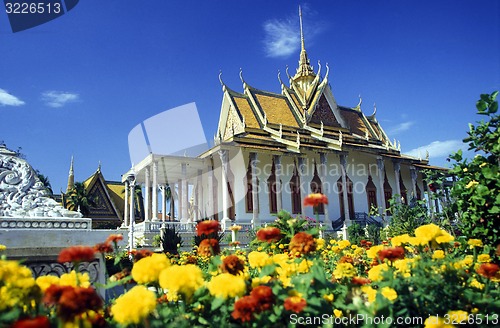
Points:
[(71, 177), (305, 73)]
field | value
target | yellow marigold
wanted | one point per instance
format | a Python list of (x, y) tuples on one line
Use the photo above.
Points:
[(375, 273), (370, 293), (401, 239), (436, 322), (329, 297), (320, 243), (75, 279), (304, 266), (483, 258), (2, 247), (344, 244), (465, 263), (280, 259), (134, 306), (428, 232), (444, 238), (372, 252), (475, 243), (147, 269), (458, 316), (181, 279), (389, 293), (438, 254), (337, 313), (344, 270), (404, 266), (260, 281), (45, 282), (476, 284), (226, 286), (472, 184), (258, 259), (419, 241)]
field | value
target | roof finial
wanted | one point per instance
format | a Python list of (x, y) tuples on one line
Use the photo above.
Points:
[(99, 167), (302, 44), (241, 77), (220, 78), (71, 177)]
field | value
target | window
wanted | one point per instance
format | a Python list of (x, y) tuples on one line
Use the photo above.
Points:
[(271, 185), (350, 200), (404, 192), (371, 192), (387, 192), (316, 186), (249, 189), (295, 191)]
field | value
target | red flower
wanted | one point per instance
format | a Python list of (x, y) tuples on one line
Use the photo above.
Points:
[(360, 281), (103, 248), (38, 322), (140, 254), (72, 301), (295, 304), (302, 243), (244, 308), (114, 238), (209, 247), (488, 270), (391, 253), (315, 200), (269, 234), (232, 264), (207, 227), (76, 254), (264, 297)]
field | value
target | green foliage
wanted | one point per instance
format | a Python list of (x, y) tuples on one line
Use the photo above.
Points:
[(356, 233), (477, 191), (170, 240), (406, 218)]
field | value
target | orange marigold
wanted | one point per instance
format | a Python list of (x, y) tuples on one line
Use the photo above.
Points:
[(302, 243), (315, 200), (103, 248), (139, 254), (209, 247), (232, 264), (391, 254), (76, 254), (269, 234), (295, 304), (264, 296), (488, 270), (207, 227), (360, 281), (244, 308), (114, 238), (72, 301)]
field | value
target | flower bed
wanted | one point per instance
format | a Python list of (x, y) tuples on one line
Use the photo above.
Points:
[(287, 277)]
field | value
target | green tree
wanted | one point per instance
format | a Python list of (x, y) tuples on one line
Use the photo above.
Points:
[(477, 192), (46, 182), (79, 199)]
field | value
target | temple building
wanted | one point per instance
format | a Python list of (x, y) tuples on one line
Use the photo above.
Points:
[(106, 199), (273, 149)]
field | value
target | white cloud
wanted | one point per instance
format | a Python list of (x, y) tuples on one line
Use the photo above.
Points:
[(437, 149), (6, 99), (57, 99), (401, 127), (282, 38)]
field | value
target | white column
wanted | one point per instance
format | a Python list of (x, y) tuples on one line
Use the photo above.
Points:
[(210, 212), (381, 192), (125, 209), (255, 191), (132, 217), (198, 199), (185, 193), (147, 197), (343, 166), (397, 170), (277, 163), (303, 192), (163, 189), (225, 193), (323, 175), (155, 192)]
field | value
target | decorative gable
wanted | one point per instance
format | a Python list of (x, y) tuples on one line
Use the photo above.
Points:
[(324, 114)]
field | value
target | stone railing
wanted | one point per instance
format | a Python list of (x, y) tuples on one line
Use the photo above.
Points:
[(45, 223)]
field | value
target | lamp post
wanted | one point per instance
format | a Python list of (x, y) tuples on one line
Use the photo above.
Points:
[(131, 181)]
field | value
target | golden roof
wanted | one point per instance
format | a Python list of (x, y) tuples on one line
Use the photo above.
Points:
[(277, 109), (243, 106)]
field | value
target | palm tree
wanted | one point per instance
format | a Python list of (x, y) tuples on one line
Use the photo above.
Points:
[(79, 199), (45, 180)]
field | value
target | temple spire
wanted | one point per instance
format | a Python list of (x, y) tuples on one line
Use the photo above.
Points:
[(71, 177), (304, 69), (302, 44)]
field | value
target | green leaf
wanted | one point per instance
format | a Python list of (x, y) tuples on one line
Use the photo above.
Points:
[(217, 303), (493, 108)]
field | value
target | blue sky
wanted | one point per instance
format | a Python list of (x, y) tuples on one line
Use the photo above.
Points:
[(78, 84)]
